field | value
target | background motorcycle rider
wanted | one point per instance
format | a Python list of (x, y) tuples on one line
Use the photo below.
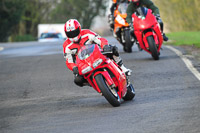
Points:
[(113, 7), (134, 4), (76, 38)]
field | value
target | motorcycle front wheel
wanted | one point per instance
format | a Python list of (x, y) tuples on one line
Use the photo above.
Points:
[(152, 47), (109, 93), (128, 44)]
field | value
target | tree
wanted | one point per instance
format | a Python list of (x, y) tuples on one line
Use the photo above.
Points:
[(180, 15), (10, 14), (35, 12), (83, 10)]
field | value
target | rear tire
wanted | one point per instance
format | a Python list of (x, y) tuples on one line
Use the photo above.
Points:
[(128, 45), (130, 93), (152, 47), (110, 94)]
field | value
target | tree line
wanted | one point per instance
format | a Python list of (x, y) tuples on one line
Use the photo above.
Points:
[(19, 18)]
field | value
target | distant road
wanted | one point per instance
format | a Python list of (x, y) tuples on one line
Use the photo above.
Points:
[(37, 94)]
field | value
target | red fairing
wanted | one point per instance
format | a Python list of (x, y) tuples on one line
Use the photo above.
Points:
[(119, 79), (144, 27), (70, 49), (140, 24), (105, 64)]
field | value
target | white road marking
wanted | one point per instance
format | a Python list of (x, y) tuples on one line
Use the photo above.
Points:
[(187, 62), (1, 48)]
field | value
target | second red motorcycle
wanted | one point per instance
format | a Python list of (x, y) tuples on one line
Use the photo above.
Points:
[(147, 31)]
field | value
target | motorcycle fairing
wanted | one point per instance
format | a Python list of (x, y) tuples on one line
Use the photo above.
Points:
[(107, 64), (145, 26), (146, 23)]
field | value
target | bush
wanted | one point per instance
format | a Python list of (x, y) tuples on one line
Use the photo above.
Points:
[(21, 38)]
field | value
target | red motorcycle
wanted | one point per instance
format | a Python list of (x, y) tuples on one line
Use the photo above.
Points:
[(104, 75), (147, 31)]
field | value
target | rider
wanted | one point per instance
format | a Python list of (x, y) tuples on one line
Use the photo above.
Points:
[(76, 38), (114, 6), (149, 4)]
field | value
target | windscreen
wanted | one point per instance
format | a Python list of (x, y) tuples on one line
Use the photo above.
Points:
[(86, 51), (122, 7), (141, 11)]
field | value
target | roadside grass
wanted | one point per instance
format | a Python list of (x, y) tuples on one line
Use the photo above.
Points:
[(184, 38)]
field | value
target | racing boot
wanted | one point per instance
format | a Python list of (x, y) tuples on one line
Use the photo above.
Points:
[(165, 38), (126, 71), (118, 60)]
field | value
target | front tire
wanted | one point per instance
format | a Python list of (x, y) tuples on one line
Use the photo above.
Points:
[(109, 93), (152, 47), (128, 45)]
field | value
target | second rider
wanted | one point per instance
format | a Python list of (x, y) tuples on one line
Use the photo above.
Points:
[(134, 4)]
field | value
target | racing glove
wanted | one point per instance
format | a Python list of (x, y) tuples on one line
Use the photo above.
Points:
[(75, 71), (110, 48), (115, 51)]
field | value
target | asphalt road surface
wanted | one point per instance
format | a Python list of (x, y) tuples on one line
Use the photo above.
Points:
[(37, 94)]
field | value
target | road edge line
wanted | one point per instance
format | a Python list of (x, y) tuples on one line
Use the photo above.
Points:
[(187, 62)]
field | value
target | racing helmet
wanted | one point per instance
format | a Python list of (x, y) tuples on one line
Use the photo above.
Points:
[(135, 1), (73, 30)]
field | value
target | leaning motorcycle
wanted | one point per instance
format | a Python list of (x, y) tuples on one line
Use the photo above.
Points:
[(147, 31), (121, 28), (104, 75)]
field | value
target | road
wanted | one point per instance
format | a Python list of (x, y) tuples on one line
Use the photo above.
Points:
[(37, 94)]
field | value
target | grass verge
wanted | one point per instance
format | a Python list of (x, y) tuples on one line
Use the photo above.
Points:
[(184, 38)]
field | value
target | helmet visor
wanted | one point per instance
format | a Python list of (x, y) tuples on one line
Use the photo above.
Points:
[(72, 34)]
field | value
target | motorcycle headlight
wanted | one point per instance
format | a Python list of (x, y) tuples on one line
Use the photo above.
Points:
[(96, 63), (120, 20), (87, 69)]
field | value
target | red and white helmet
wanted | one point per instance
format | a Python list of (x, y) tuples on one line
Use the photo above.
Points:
[(135, 1), (72, 30)]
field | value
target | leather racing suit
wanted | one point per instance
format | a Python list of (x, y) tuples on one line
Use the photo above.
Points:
[(71, 49)]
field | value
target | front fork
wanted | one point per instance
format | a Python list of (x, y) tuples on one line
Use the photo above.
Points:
[(128, 80), (123, 36)]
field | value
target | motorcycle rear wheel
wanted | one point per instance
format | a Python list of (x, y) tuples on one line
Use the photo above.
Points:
[(152, 47), (130, 93), (109, 93)]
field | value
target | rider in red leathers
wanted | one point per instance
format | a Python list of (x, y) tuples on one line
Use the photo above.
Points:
[(76, 38)]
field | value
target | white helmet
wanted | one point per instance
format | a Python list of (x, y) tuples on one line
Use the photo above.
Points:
[(72, 30)]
